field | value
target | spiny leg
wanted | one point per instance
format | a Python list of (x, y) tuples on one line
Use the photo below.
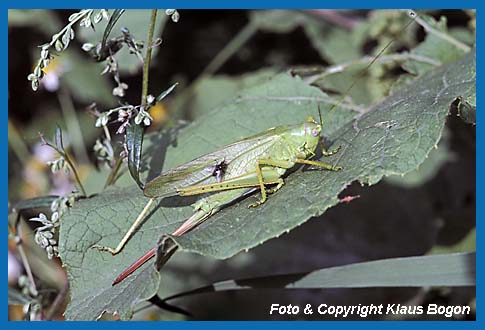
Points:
[(128, 234), (319, 164), (261, 185), (246, 180), (280, 184)]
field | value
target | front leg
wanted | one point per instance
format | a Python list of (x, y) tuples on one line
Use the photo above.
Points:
[(319, 164), (280, 184), (331, 152)]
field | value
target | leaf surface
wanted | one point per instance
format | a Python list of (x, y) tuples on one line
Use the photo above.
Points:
[(458, 269), (394, 137)]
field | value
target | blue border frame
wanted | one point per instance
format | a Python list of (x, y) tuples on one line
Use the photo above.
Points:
[(248, 4)]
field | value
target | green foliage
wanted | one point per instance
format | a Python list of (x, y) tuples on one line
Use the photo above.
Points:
[(206, 94), (434, 47), (392, 138), (396, 272), (428, 169)]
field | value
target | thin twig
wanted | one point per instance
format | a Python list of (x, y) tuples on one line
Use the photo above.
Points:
[(114, 172), (218, 61), (23, 256), (366, 59), (57, 304), (66, 157), (106, 132), (230, 49), (428, 28), (148, 55), (72, 124), (76, 176), (144, 91)]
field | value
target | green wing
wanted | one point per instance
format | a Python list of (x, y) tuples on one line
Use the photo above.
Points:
[(197, 171), (201, 170)]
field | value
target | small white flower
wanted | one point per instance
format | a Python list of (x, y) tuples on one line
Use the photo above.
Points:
[(124, 115), (104, 151), (41, 240), (55, 217), (41, 218), (144, 117), (150, 99), (173, 13), (120, 90), (105, 14), (87, 46), (44, 235), (176, 16), (102, 119)]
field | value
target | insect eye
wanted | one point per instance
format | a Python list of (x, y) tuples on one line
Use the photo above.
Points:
[(315, 132)]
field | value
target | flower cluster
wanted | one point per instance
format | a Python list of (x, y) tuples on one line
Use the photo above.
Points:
[(45, 234), (31, 308), (104, 151), (59, 164), (61, 40)]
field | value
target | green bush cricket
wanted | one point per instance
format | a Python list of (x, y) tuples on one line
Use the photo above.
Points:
[(233, 171), (236, 170)]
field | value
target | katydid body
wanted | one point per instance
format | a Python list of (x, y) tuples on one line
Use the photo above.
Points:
[(233, 171)]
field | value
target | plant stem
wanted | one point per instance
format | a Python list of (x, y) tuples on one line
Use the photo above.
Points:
[(148, 55), (57, 304), (232, 47), (113, 174), (66, 157), (367, 59), (23, 257), (442, 35), (76, 176), (229, 50), (72, 124)]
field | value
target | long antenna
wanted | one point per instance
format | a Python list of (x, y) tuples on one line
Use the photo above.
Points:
[(320, 114), (412, 15)]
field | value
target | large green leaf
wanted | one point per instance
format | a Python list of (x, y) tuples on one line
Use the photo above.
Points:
[(458, 269), (206, 94), (392, 138), (428, 169)]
